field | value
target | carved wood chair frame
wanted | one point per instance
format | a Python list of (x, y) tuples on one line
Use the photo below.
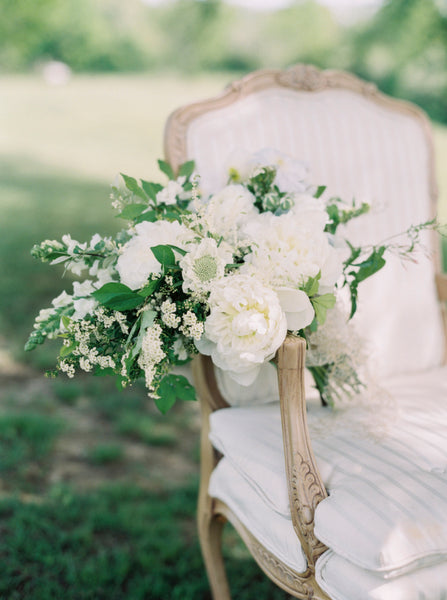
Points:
[(305, 486)]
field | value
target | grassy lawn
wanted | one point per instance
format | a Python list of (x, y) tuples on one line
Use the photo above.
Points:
[(97, 490)]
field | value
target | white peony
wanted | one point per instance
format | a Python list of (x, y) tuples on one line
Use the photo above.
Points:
[(288, 249), (297, 308), (227, 211), (203, 264), (137, 260), (245, 326)]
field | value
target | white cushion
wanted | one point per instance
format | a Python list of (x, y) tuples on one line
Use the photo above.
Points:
[(359, 150), (342, 580), (274, 531), (390, 525), (415, 440)]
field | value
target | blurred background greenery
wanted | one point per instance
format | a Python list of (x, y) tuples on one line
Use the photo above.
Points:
[(97, 491)]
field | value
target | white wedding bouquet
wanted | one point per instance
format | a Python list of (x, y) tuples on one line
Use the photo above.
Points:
[(226, 275)]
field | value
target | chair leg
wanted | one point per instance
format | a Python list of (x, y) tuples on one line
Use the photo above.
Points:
[(210, 536)]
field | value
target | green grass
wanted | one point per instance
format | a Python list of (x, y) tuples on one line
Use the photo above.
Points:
[(26, 440), (115, 543), (103, 454)]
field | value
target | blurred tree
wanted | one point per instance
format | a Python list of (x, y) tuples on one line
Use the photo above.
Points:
[(96, 35), (404, 49)]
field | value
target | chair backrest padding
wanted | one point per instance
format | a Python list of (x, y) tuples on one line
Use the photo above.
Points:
[(360, 144)]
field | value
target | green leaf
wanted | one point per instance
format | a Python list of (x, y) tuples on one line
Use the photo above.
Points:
[(148, 317), (177, 249), (320, 190), (372, 264), (186, 169), (65, 321), (321, 304), (149, 215), (166, 169), (132, 211), (151, 189), (149, 289), (312, 285), (164, 255), (117, 296), (66, 350), (172, 388), (132, 185)]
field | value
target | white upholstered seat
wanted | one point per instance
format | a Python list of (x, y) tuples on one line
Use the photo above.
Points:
[(387, 509), (382, 460)]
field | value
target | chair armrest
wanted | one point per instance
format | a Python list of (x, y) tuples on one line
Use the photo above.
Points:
[(441, 286), (306, 488)]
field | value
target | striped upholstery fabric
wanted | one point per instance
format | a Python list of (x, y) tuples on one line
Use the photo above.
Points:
[(342, 580), (360, 150), (398, 467)]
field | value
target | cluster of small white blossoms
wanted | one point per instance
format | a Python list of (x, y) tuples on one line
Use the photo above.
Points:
[(151, 354), (191, 327), (109, 320), (88, 356), (168, 316)]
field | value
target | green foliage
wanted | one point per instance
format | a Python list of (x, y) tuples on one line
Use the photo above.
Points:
[(172, 388), (340, 214), (365, 268), (321, 305), (117, 296), (164, 255)]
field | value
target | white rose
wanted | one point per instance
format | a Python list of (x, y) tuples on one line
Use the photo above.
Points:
[(245, 326), (137, 260)]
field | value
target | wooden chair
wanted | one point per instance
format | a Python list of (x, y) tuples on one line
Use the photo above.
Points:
[(359, 142)]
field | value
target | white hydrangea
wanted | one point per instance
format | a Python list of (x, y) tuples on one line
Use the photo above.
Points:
[(245, 327), (203, 264), (137, 260)]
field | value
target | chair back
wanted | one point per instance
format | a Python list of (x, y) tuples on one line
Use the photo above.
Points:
[(362, 145)]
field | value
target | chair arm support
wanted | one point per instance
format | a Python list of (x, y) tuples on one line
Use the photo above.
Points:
[(441, 286), (306, 488)]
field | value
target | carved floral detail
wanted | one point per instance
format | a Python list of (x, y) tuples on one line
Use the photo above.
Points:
[(307, 493), (304, 77), (301, 584)]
